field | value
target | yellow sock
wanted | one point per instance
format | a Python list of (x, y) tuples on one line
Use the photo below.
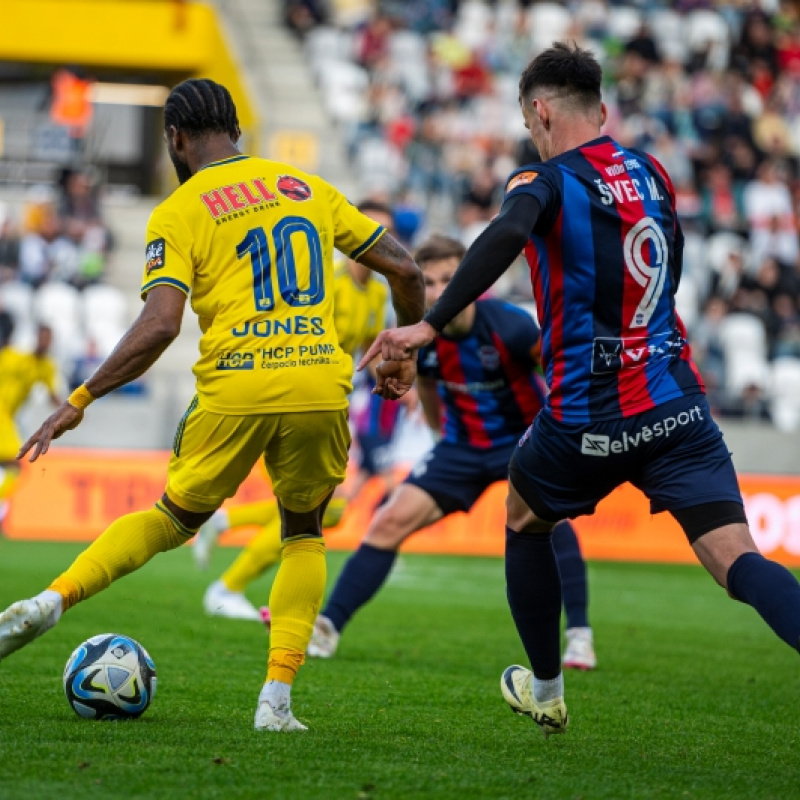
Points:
[(295, 601), (261, 553), (126, 545), (334, 511), (260, 514), (8, 480)]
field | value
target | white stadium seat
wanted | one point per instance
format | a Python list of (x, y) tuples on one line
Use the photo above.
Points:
[(16, 297), (744, 333), (59, 306), (744, 341), (785, 394), (547, 23)]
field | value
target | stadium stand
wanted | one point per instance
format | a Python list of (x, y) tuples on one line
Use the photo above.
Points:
[(416, 103)]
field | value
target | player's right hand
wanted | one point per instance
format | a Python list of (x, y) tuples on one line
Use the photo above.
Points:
[(60, 421), (399, 344), (394, 379)]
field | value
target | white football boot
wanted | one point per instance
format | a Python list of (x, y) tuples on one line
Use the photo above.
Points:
[(23, 621), (324, 639), (220, 601), (516, 684), (275, 718), (579, 652), (207, 536)]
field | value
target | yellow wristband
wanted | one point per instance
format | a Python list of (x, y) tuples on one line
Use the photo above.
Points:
[(81, 398)]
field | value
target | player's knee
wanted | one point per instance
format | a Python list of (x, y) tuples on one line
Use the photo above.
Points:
[(191, 520), (388, 529)]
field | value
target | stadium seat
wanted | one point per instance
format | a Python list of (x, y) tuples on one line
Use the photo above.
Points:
[(687, 302), (744, 342), (408, 63), (105, 316), (785, 394), (667, 27), (744, 333), (705, 28), (624, 22), (344, 87), (16, 297), (547, 23), (59, 306), (325, 42), (474, 24), (104, 304)]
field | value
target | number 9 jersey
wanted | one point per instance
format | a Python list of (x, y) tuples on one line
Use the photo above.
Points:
[(605, 255), (251, 241)]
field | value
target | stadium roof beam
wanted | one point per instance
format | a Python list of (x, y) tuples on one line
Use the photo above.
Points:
[(169, 36)]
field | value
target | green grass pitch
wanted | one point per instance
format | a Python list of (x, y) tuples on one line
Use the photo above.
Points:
[(694, 697)]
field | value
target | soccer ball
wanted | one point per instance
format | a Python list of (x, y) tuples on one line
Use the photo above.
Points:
[(110, 676)]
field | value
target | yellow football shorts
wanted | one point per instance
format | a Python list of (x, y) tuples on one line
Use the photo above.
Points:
[(305, 455), (10, 442)]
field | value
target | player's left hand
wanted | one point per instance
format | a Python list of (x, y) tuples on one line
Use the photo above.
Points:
[(60, 421), (395, 378), (399, 344)]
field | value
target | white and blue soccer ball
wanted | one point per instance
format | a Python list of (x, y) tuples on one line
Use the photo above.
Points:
[(110, 676)]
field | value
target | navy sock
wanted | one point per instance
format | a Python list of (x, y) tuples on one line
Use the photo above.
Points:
[(772, 591), (573, 575), (358, 582), (534, 596)]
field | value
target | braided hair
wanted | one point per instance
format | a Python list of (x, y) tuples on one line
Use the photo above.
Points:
[(199, 106)]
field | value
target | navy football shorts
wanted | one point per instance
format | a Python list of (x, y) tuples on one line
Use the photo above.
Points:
[(376, 453), (456, 475), (674, 453)]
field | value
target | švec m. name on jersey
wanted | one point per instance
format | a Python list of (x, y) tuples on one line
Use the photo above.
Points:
[(486, 379), (252, 242), (605, 258)]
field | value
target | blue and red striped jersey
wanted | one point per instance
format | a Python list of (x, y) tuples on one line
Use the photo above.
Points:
[(485, 379), (605, 258)]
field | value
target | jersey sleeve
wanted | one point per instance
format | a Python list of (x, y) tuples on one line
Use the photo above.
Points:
[(539, 181), (168, 253), (354, 232)]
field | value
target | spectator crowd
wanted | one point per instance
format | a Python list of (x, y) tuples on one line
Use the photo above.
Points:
[(425, 95), (54, 247)]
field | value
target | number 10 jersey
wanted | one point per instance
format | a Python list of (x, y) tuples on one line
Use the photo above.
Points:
[(251, 241), (605, 256)]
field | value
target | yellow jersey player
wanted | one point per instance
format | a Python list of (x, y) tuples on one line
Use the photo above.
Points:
[(252, 241), (359, 316), (19, 373)]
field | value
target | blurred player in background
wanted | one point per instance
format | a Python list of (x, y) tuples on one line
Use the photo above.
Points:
[(19, 373), (252, 240), (359, 314), (479, 388), (626, 403)]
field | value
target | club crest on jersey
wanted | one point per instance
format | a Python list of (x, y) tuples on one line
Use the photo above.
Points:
[(489, 357), (155, 255), (293, 188), (521, 179)]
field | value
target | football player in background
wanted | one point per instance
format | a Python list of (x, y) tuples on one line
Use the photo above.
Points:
[(19, 373), (359, 315), (600, 231), (253, 241), (479, 388)]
